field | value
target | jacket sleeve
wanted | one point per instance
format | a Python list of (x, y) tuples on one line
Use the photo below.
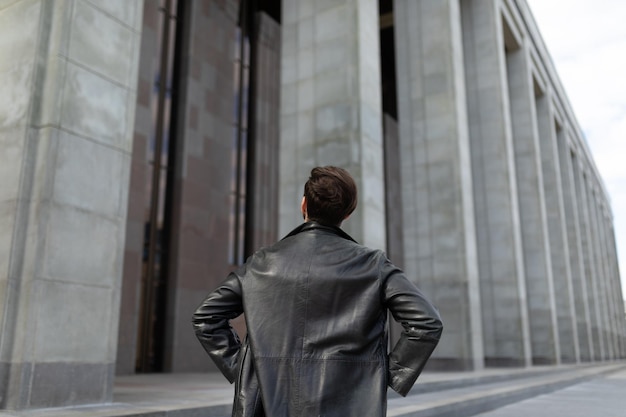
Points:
[(421, 324), (211, 322)]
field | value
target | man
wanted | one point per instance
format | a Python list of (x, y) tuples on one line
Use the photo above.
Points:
[(315, 306)]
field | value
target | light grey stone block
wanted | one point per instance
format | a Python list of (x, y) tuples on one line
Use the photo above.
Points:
[(97, 46), (19, 22), (82, 247), (94, 107), (14, 101), (306, 37), (7, 225), (126, 12), (11, 159), (88, 175), (331, 23), (86, 322), (331, 54)]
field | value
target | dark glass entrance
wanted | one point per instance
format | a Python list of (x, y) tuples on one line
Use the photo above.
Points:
[(159, 183)]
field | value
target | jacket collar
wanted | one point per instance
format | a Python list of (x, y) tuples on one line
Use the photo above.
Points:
[(313, 225)]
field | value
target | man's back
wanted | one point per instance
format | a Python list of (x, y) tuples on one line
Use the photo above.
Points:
[(313, 305), (315, 295)]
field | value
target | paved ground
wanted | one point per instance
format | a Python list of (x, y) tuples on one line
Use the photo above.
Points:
[(601, 397), (591, 390)]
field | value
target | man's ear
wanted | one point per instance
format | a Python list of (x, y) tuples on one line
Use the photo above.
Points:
[(303, 208)]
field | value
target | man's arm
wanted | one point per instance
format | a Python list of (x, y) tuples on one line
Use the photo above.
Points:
[(422, 329), (211, 322)]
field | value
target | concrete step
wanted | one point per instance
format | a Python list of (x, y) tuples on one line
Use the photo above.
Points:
[(486, 393)]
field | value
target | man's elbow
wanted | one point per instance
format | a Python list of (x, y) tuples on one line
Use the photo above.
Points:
[(437, 327)]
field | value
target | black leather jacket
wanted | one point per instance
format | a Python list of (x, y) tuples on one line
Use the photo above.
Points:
[(316, 307)]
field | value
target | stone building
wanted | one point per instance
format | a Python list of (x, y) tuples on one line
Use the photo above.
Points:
[(147, 147)]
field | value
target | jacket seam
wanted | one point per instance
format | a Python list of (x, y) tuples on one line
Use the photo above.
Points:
[(240, 375), (304, 329), (257, 400), (295, 358)]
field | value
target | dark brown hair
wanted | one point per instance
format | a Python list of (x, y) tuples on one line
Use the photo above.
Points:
[(331, 195)]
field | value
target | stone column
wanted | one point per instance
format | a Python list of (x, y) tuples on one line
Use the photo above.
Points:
[(544, 335), (501, 269), (615, 285), (199, 246), (604, 293), (621, 318), (567, 161), (70, 73), (439, 231), (615, 294), (616, 288), (607, 280), (612, 288), (331, 107), (589, 272), (557, 227)]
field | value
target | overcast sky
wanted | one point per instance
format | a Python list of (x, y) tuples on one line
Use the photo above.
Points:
[(587, 42)]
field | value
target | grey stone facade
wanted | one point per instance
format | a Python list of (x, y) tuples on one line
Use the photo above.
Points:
[(481, 186)]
